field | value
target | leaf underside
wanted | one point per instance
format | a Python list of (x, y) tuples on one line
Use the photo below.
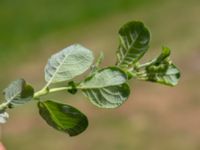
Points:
[(107, 88), (68, 63), (18, 93), (108, 97)]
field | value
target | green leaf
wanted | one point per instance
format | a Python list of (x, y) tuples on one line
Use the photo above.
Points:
[(18, 93), (63, 117), (106, 88), (134, 42), (162, 70), (164, 55), (68, 63), (167, 74), (3, 117)]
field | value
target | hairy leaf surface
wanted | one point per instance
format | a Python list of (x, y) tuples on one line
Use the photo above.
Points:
[(18, 93), (107, 88), (68, 63), (134, 42), (63, 117)]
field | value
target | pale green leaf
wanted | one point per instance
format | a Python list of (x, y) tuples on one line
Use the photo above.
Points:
[(106, 88), (3, 117), (68, 63), (63, 117), (18, 93)]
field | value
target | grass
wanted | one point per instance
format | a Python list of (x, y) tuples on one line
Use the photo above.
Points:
[(154, 118)]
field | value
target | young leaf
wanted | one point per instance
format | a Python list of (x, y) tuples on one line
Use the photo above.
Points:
[(63, 117), (167, 74), (163, 56), (96, 66), (68, 63), (106, 88), (18, 93), (134, 42), (162, 70), (3, 117)]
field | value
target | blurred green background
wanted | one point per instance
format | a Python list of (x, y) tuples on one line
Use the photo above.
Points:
[(155, 117)]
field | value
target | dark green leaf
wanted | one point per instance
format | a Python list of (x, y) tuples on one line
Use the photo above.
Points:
[(106, 88), (18, 93), (68, 63), (63, 117), (134, 42)]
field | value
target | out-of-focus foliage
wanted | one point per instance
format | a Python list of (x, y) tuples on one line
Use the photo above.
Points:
[(26, 21)]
